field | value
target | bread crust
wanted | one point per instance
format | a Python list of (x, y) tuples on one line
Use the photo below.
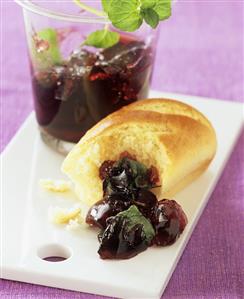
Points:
[(169, 106), (163, 106), (183, 135)]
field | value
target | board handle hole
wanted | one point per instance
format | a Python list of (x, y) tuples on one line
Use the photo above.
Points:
[(54, 253)]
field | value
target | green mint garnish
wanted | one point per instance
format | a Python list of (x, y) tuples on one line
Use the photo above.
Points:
[(134, 217), (163, 9), (125, 14), (151, 17), (127, 176), (50, 54), (147, 3), (138, 172), (128, 15), (106, 5), (102, 39)]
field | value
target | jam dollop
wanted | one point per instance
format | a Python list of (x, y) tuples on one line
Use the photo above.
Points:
[(127, 234), (169, 222), (129, 215), (105, 208), (146, 202)]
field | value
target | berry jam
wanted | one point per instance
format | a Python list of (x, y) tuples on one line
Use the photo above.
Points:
[(146, 202), (130, 216), (105, 169), (105, 208), (119, 242), (169, 222), (70, 98)]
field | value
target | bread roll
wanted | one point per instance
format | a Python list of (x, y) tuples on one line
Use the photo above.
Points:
[(172, 136)]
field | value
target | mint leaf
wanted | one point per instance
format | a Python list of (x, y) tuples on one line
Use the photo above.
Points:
[(45, 48), (138, 172), (151, 17), (125, 14), (128, 15), (102, 39), (134, 217), (106, 5), (163, 9), (148, 3), (138, 168)]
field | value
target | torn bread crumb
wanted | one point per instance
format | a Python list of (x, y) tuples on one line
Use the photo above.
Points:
[(55, 185), (59, 215)]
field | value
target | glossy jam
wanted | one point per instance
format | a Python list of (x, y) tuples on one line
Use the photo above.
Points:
[(120, 192), (146, 202), (70, 98), (119, 243), (105, 208), (169, 222)]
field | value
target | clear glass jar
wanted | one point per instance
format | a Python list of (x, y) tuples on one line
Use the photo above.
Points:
[(74, 86)]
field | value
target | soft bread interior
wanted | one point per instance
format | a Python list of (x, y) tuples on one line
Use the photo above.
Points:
[(84, 163)]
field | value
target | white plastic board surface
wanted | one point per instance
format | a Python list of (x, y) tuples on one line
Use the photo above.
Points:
[(28, 236)]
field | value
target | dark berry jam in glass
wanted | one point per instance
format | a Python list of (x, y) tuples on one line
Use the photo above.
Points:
[(71, 97)]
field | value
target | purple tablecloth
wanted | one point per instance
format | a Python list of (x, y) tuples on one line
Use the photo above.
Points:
[(200, 52)]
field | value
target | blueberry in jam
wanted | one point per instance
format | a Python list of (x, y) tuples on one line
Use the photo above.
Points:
[(105, 208), (130, 216), (127, 234), (126, 176), (121, 181), (146, 202), (169, 222)]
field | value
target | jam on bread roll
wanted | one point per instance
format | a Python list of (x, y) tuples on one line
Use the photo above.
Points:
[(172, 136)]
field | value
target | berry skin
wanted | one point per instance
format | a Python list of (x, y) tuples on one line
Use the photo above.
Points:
[(169, 222)]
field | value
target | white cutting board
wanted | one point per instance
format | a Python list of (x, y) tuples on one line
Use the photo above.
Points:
[(28, 236)]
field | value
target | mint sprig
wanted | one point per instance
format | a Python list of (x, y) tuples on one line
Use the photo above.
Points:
[(106, 5), (102, 39), (151, 17), (163, 9), (126, 15), (147, 4)]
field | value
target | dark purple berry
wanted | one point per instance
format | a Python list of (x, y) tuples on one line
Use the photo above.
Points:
[(169, 222), (126, 235), (105, 208), (146, 202)]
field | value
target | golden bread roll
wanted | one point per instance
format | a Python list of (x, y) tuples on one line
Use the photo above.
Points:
[(172, 136)]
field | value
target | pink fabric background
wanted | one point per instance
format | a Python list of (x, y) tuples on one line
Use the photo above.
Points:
[(200, 52)]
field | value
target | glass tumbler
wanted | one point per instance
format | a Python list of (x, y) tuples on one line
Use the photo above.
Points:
[(74, 85)]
